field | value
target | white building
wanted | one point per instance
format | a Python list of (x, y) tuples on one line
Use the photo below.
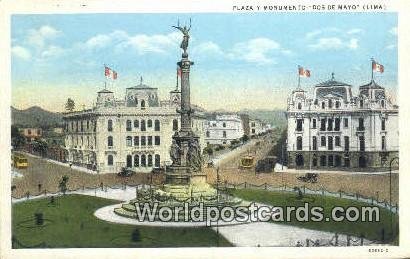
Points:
[(224, 129), (336, 130), (257, 127), (135, 132)]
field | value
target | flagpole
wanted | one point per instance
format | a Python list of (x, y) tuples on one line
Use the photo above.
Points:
[(177, 80), (372, 68), (298, 77)]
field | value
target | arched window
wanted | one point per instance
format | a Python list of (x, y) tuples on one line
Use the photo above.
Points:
[(157, 161), (149, 123), (129, 161), (143, 160), (382, 103), (299, 160), (129, 141), (208, 134), (299, 106), (142, 104), (323, 105), (224, 134), (322, 160), (299, 143), (143, 140), (110, 141), (136, 123), (109, 126), (314, 143), (224, 125), (330, 103), (361, 103), (136, 141), (314, 160), (175, 125), (110, 160), (157, 126), (128, 125), (143, 128), (136, 161), (337, 104), (149, 160)]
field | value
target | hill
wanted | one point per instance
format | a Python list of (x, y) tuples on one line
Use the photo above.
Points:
[(276, 118), (35, 117)]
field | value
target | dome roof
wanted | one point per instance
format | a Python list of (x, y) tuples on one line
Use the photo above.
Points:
[(331, 82)]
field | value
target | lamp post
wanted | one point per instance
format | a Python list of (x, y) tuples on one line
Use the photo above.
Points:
[(390, 193)]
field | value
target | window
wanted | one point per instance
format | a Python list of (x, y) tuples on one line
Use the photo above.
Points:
[(337, 124), (149, 140), (143, 128), (299, 106), (143, 104), (88, 124), (129, 161), (330, 124), (322, 160), (157, 125), (361, 124), (110, 160), (143, 141), (136, 141), (347, 162), (299, 143), (347, 143), (224, 125), (175, 125), (345, 122), (299, 123), (338, 161), (314, 161), (323, 105), (314, 143), (208, 134), (149, 160), (136, 160), (361, 103), (224, 134), (110, 141), (149, 123), (330, 104), (361, 143), (95, 126), (330, 143), (337, 141), (128, 125), (109, 126), (129, 141), (337, 104), (157, 162), (383, 142), (76, 124), (314, 123), (143, 160), (136, 123), (382, 103), (383, 124), (253, 130), (157, 140), (323, 141), (323, 124), (82, 126), (330, 161), (315, 102)]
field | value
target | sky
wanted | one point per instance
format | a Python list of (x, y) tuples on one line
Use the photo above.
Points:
[(241, 61)]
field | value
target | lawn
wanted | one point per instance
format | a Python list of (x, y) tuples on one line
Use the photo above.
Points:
[(369, 230), (71, 223)]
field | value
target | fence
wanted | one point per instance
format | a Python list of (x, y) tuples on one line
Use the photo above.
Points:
[(358, 197)]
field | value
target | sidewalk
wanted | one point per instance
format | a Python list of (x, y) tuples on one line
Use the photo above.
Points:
[(278, 169)]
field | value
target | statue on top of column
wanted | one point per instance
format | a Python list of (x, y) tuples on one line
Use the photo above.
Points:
[(185, 32)]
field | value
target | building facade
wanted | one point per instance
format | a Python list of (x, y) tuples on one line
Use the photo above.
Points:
[(32, 133), (335, 130), (224, 129), (257, 127), (135, 132)]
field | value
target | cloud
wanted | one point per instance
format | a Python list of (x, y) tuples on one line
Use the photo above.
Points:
[(255, 50), (52, 51), (207, 47), (98, 41), (393, 31), (37, 37), (391, 46), (21, 52), (327, 43), (157, 43), (354, 31), (353, 44)]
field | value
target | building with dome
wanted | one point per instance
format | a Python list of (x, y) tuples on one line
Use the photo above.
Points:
[(336, 130), (134, 132)]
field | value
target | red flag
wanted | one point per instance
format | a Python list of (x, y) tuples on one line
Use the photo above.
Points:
[(304, 72), (377, 67), (109, 73)]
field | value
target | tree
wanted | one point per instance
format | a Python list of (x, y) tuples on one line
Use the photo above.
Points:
[(17, 139), (63, 184), (70, 105), (244, 138), (40, 146)]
